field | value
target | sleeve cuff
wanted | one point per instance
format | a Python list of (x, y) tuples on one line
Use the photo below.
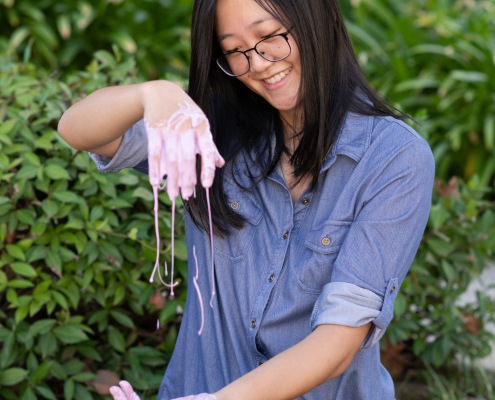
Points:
[(132, 151), (346, 304)]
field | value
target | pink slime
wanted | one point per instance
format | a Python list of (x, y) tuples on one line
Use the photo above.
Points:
[(170, 141)]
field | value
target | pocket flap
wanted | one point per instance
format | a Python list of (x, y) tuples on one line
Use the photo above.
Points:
[(242, 203), (328, 239)]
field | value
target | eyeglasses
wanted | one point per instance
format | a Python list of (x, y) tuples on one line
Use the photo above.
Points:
[(273, 48)]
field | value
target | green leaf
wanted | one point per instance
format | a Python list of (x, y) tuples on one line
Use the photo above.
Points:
[(58, 371), (24, 269), (448, 270), (21, 313), (69, 334), (489, 132), (116, 339), (16, 252), (123, 319), (48, 344), (50, 207), (29, 395), (56, 172), (468, 76), (12, 376), (20, 284), (41, 372), (74, 223), (60, 299), (143, 193), (27, 172), (89, 352), (45, 392), (67, 197), (42, 327), (439, 246), (69, 387), (84, 377), (7, 127)]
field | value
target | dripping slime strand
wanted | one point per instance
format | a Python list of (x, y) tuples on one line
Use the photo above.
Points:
[(211, 245), (195, 281), (173, 235), (155, 208)]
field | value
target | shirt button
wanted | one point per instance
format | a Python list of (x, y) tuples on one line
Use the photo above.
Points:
[(271, 278), (392, 289), (325, 241), (260, 363), (234, 205), (286, 235), (253, 323), (305, 201)]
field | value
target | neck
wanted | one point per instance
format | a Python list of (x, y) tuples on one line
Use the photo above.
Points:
[(292, 124)]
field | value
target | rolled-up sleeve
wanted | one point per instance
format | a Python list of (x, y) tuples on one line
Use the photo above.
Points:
[(381, 243), (133, 151)]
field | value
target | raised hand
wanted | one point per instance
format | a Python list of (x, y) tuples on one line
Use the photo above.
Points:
[(172, 148), (124, 392)]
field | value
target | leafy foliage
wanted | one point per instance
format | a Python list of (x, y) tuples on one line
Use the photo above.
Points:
[(76, 249), (436, 60), (458, 241), (66, 33)]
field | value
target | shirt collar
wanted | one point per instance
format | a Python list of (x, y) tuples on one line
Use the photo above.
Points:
[(354, 138), (353, 141)]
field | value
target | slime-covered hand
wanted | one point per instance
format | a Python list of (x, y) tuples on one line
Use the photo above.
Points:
[(124, 392), (172, 150), (202, 396)]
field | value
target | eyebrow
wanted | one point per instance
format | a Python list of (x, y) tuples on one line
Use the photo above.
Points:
[(251, 26)]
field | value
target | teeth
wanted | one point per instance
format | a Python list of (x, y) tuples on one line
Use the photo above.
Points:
[(277, 77)]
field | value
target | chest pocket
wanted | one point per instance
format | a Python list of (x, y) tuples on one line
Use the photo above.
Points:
[(238, 242), (322, 248)]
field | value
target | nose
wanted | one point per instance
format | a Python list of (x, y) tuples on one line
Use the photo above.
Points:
[(257, 63)]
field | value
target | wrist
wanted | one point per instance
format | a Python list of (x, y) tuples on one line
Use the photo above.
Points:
[(152, 91)]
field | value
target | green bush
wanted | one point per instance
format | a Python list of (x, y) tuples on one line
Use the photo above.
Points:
[(77, 250), (66, 33), (458, 242), (436, 59)]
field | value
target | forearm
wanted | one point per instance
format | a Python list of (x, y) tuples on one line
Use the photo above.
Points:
[(323, 355), (99, 121)]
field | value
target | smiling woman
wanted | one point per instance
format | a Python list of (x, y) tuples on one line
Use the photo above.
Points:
[(317, 213)]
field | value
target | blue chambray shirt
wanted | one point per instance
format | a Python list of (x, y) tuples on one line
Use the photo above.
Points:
[(337, 256)]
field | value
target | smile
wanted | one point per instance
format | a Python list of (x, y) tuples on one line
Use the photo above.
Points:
[(278, 77)]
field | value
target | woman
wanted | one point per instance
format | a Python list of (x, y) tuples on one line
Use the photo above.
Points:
[(317, 213)]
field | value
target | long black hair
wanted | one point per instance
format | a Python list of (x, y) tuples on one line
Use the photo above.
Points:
[(332, 83)]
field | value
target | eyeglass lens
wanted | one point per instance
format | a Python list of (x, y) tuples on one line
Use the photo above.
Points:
[(272, 49)]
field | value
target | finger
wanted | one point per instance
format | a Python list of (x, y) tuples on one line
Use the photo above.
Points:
[(127, 388), (187, 164), (207, 150), (170, 140), (117, 393), (154, 155), (219, 160)]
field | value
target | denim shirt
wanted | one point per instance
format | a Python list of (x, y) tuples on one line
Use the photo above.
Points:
[(337, 256)]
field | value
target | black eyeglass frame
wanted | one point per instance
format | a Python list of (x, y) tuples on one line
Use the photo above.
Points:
[(284, 35)]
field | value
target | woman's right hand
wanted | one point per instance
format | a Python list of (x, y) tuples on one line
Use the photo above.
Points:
[(177, 130)]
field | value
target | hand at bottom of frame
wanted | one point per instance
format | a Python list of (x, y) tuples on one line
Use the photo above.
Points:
[(126, 392)]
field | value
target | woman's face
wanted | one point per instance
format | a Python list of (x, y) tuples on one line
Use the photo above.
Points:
[(240, 24)]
